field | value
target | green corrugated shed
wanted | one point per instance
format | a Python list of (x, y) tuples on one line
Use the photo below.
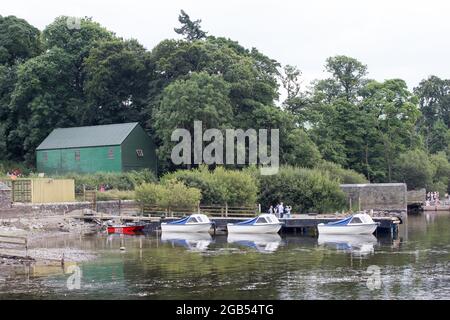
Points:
[(105, 148)]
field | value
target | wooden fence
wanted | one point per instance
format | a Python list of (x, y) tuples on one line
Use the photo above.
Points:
[(20, 246), (210, 210), (41, 190), (156, 211)]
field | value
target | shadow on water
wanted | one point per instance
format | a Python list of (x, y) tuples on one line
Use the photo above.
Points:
[(199, 266)]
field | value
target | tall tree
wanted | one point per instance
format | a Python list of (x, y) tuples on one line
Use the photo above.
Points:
[(191, 30), (434, 103), (347, 76), (393, 112), (201, 97), (43, 99), (117, 76), (18, 40)]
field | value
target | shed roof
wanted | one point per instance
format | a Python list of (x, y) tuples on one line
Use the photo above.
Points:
[(91, 136)]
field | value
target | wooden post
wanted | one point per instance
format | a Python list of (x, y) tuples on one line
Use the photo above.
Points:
[(359, 203), (350, 203), (198, 208), (226, 209), (259, 208)]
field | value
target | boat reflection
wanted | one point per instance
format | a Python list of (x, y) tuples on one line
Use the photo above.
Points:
[(355, 244), (265, 243), (190, 240)]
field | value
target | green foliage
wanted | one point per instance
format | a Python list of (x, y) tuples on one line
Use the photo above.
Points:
[(76, 36), (362, 124), (441, 179), (8, 166), (120, 100), (434, 100), (76, 73), (306, 190), (191, 30), (299, 150), (121, 181), (336, 172), (170, 194), (115, 194), (18, 40), (219, 186), (201, 97), (414, 168)]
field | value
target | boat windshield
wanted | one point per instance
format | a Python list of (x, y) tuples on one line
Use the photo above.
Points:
[(192, 220), (356, 220), (261, 220)]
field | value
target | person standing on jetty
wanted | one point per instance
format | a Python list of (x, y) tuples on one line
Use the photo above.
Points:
[(271, 210), (288, 211), (280, 209)]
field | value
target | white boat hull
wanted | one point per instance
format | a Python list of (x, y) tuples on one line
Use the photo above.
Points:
[(189, 227), (254, 229), (368, 228)]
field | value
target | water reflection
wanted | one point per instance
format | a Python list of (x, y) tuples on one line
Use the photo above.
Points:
[(355, 244), (196, 266), (264, 243), (189, 240)]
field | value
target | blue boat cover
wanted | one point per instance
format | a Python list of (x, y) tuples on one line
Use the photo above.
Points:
[(247, 222), (342, 222), (182, 221)]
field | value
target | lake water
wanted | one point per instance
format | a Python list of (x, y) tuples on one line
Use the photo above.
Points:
[(415, 265)]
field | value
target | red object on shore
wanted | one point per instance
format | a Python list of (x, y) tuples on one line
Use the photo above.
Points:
[(125, 229)]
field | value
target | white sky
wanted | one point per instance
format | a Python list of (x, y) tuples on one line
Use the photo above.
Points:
[(395, 38)]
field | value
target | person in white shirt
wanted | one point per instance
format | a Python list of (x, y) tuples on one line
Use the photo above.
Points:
[(288, 211), (281, 210)]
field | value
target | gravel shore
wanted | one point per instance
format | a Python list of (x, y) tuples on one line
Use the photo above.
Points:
[(38, 228)]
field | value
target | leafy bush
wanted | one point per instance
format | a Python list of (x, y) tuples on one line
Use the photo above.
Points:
[(415, 169), (344, 176), (7, 166), (220, 186), (115, 195), (170, 194), (110, 180), (441, 179), (304, 189)]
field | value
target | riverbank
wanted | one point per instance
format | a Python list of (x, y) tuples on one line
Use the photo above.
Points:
[(37, 229)]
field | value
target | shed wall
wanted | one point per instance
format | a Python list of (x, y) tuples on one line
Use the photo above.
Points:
[(90, 160), (138, 139)]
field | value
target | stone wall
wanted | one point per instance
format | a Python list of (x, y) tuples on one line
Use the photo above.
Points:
[(390, 197), (109, 207), (5, 196), (417, 196)]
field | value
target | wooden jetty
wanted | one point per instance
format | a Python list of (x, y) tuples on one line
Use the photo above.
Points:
[(438, 207), (297, 222)]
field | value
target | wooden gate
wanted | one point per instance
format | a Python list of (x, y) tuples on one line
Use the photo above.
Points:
[(21, 190)]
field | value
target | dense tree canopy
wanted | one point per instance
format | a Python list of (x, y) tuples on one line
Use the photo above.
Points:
[(76, 72), (18, 40)]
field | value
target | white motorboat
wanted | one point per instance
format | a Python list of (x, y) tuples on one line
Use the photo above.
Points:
[(198, 241), (360, 223), (264, 223), (359, 244), (264, 243), (192, 223)]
